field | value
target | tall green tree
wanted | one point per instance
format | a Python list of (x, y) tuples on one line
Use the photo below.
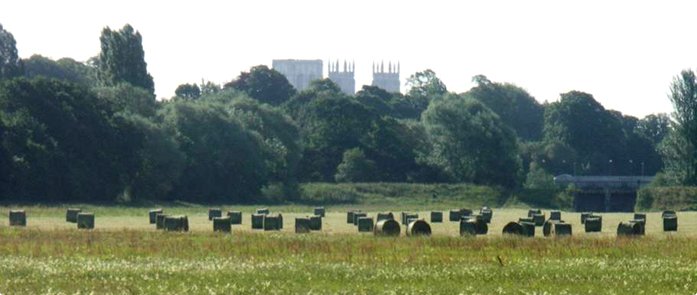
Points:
[(355, 167), (10, 64), (426, 83), (264, 84), (66, 69), (680, 147), (122, 59)]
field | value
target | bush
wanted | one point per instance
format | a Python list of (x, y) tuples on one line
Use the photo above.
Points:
[(667, 198)]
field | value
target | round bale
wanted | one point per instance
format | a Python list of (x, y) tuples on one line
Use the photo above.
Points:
[(384, 216), (235, 217), (18, 218), (629, 228), (302, 225), (593, 223), (387, 227), (319, 211), (555, 215), (436, 216), (670, 223), (468, 227), (222, 224), (418, 227), (258, 221), (315, 222), (365, 224), (85, 220), (152, 214), (513, 228), (585, 215), (548, 227), (71, 214), (214, 212)]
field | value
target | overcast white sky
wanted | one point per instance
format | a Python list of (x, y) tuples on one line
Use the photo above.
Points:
[(625, 53)]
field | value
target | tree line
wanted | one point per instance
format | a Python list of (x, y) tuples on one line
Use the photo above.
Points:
[(94, 131)]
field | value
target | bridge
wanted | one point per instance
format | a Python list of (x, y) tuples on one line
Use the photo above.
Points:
[(604, 193)]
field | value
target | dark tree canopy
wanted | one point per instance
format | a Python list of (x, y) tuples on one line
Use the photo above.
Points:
[(188, 91), (63, 69), (264, 84), (122, 59), (10, 64), (680, 146)]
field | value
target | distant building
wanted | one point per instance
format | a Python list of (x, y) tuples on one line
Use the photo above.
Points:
[(299, 72), (386, 79), (344, 78)]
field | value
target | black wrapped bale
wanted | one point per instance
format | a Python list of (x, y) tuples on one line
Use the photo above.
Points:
[(670, 223), (176, 223), (418, 227), (357, 215), (71, 214), (640, 216), (513, 228), (365, 224), (526, 219), (319, 211), (18, 218), (384, 216), (349, 216), (629, 229), (454, 215), (585, 215), (468, 227), (315, 222), (538, 219), (555, 215), (280, 221), (214, 212), (272, 222), (302, 225), (263, 211), (152, 214), (160, 221), (235, 217), (486, 214), (85, 220), (549, 226), (562, 229), (408, 218), (642, 223), (531, 212), (387, 227), (465, 212), (528, 229), (222, 224), (258, 221), (436, 216), (593, 224), (668, 213)]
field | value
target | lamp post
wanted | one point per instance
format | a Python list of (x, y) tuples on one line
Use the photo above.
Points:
[(609, 165)]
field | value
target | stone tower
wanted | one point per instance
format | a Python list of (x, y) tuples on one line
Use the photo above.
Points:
[(386, 79), (344, 78), (299, 72)]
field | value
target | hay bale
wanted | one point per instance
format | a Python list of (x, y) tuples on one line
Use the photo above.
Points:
[(214, 212), (513, 228), (526, 219), (319, 211), (418, 227), (409, 217), (468, 227), (222, 224), (315, 222), (642, 223), (436, 216), (585, 215), (263, 211), (481, 227), (152, 214), (349, 216), (629, 229), (668, 213), (562, 229), (272, 222), (71, 214), (258, 221), (486, 214), (18, 218), (555, 215), (531, 212), (549, 226), (160, 221), (85, 220), (387, 227), (640, 216), (670, 223), (280, 221), (593, 223), (302, 225), (235, 217), (365, 224), (357, 215), (538, 219), (528, 229), (384, 216), (455, 215), (176, 223)]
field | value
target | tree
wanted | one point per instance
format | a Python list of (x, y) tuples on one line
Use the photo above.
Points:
[(654, 127), (680, 147), (355, 167), (264, 84), (425, 84), (188, 91), (122, 59), (471, 143), (10, 64), (63, 69)]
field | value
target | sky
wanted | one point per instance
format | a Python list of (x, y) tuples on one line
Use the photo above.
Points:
[(625, 53)]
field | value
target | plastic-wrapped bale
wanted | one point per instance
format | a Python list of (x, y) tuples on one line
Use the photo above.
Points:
[(365, 224), (593, 223), (235, 217), (531, 212), (468, 227), (302, 225), (481, 227), (465, 212), (152, 214), (629, 228), (455, 215), (585, 215), (71, 214), (18, 218), (272, 222), (513, 228), (668, 213), (642, 223), (526, 219), (280, 221), (214, 212), (670, 223), (160, 221), (549, 226), (486, 214), (258, 221), (409, 217), (315, 222), (538, 219), (528, 229), (222, 224), (562, 229), (640, 216), (176, 223), (319, 211), (555, 215), (384, 216), (349, 215), (85, 220), (263, 211), (387, 227), (436, 216), (357, 215), (418, 227)]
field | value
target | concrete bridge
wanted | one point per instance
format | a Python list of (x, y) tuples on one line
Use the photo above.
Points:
[(604, 193)]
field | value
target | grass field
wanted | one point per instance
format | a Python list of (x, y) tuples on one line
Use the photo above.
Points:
[(126, 255)]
